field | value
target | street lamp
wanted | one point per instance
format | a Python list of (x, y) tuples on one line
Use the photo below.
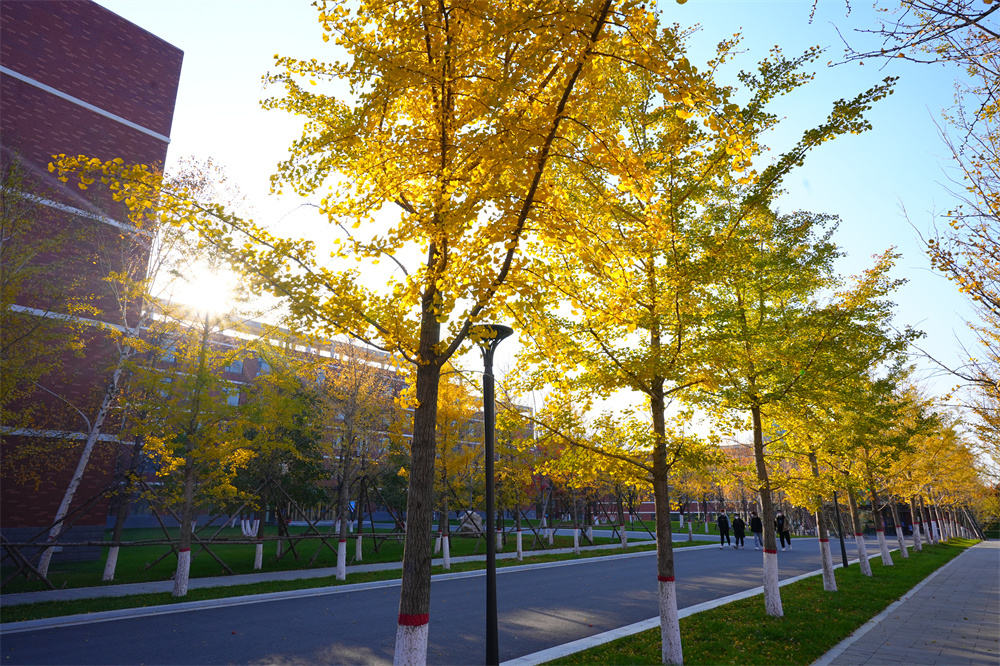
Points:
[(840, 529), (489, 337)]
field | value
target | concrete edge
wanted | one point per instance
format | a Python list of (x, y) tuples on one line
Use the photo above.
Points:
[(606, 637), (150, 611), (843, 645)]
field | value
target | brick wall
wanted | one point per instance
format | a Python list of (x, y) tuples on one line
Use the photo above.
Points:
[(91, 58)]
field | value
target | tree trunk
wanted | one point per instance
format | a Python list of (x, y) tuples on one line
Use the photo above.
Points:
[(342, 519), (670, 629), (918, 523), (183, 572), (883, 547), (576, 525), (935, 523), (859, 535), (621, 522), (900, 540), (444, 527), (81, 466), (517, 532), (415, 586), (829, 580), (121, 515), (772, 593)]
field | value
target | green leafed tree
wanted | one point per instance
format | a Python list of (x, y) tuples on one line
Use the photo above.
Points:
[(784, 328)]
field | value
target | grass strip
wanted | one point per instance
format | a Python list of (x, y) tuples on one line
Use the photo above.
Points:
[(815, 620), (46, 609)]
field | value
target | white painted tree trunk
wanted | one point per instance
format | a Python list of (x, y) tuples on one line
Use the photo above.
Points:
[(342, 559), (576, 540), (883, 548), (411, 641), (917, 539), (901, 542), (624, 537), (670, 626), (829, 579), (520, 546), (111, 564), (446, 551), (682, 521), (252, 529), (551, 535), (183, 573), (499, 540), (772, 593), (437, 544), (706, 525), (690, 532), (866, 566), (359, 548), (590, 533)]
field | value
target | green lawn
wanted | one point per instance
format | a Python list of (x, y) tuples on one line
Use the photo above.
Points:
[(814, 620)]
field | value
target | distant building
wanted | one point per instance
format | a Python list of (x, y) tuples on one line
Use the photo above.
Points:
[(76, 79)]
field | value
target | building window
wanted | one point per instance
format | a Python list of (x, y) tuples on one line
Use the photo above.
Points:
[(233, 397), (168, 355), (235, 367)]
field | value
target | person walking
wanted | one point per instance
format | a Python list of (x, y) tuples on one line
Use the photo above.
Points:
[(757, 528), (723, 522), (739, 528), (781, 526)]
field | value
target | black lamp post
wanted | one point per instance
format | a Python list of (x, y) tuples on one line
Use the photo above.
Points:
[(840, 529), (490, 336)]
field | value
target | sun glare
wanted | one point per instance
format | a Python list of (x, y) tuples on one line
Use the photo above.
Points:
[(205, 289)]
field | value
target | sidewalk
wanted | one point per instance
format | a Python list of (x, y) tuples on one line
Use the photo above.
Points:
[(952, 617), (246, 579)]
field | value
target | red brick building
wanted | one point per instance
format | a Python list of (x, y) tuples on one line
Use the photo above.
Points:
[(76, 79)]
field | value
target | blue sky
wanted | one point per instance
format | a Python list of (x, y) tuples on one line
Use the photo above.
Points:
[(868, 180)]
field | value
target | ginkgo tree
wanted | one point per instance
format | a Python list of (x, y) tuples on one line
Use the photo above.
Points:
[(784, 328)]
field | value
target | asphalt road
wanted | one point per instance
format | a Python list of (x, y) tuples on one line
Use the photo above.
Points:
[(539, 607)]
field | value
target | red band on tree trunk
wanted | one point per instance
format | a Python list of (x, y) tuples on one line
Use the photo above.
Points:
[(185, 550), (665, 579), (413, 620), (773, 552), (824, 541), (880, 530), (342, 541), (858, 534)]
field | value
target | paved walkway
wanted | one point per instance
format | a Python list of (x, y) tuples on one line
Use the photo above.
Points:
[(952, 617)]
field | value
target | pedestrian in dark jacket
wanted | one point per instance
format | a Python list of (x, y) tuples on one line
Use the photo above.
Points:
[(782, 527), (757, 528), (738, 532), (723, 522)]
